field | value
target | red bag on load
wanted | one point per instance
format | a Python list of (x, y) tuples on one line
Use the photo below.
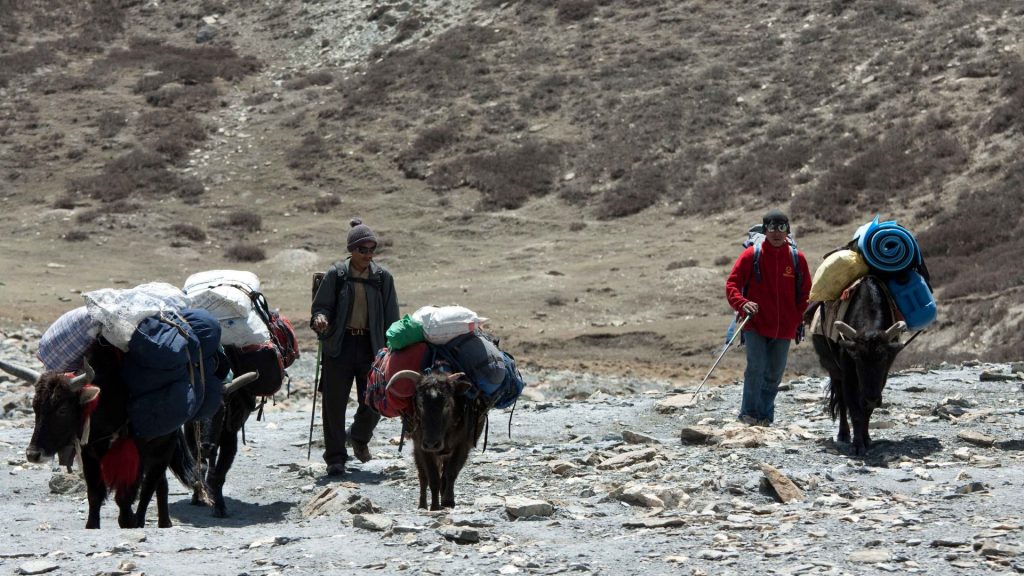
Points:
[(397, 400)]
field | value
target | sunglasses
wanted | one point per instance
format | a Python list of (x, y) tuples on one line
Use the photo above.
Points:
[(365, 250), (777, 227)]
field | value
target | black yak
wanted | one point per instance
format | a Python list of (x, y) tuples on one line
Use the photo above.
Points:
[(859, 358), (218, 442), (445, 424), (91, 410)]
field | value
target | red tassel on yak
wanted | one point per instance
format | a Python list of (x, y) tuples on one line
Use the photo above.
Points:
[(119, 467)]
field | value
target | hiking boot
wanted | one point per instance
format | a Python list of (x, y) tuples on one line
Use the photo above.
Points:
[(361, 451), (748, 420), (336, 469)]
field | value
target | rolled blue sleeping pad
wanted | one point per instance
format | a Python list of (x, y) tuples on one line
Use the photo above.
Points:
[(888, 247), (913, 298)]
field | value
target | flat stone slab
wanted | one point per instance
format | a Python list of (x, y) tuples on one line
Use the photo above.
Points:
[(786, 490), (977, 438)]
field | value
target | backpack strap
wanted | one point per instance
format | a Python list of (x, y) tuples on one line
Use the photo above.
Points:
[(796, 267), (796, 271)]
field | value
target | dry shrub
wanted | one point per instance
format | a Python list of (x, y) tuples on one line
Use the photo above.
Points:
[(869, 173), (136, 173), (189, 97), (27, 61), (110, 122), (1010, 114), (308, 154), (406, 28), (316, 78), (65, 202), (967, 248), (184, 66), (449, 67), (641, 189), (257, 98), (76, 236), (326, 203), (676, 265), (115, 207), (427, 142), (187, 232), (171, 133), (245, 220), (575, 10), (763, 174), (245, 253), (512, 175)]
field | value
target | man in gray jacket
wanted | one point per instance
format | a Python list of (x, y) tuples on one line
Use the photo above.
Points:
[(352, 310)]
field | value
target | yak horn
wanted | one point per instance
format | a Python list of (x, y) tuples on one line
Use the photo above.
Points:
[(896, 329), (26, 374), (845, 330), (82, 379), (411, 374), (240, 382)]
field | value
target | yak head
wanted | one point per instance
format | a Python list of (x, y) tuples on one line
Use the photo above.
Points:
[(61, 404), (872, 353), (435, 406)]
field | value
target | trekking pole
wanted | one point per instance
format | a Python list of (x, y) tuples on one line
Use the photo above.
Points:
[(739, 329), (316, 388)]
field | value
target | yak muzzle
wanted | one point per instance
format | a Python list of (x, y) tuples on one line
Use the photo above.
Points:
[(432, 445), (33, 455)]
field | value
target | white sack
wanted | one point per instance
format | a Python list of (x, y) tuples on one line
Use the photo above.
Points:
[(250, 329), (441, 324), (120, 311)]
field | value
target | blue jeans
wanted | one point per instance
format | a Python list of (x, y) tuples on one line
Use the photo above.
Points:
[(766, 361)]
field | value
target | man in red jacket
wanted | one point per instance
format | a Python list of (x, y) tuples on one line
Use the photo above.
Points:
[(775, 304)]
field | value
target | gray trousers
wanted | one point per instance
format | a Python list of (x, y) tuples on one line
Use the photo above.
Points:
[(336, 385)]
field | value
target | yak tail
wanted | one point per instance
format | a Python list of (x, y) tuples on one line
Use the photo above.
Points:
[(833, 400), (183, 466), (119, 467)]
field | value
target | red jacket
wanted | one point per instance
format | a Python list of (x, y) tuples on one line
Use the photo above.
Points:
[(780, 311)]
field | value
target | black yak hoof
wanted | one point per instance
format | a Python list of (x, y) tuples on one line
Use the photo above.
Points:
[(165, 523)]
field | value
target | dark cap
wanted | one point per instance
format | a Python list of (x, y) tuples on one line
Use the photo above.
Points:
[(775, 215), (359, 233)]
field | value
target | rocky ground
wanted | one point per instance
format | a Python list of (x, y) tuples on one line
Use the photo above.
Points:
[(601, 475)]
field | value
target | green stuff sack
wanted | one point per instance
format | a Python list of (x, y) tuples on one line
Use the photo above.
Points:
[(404, 332), (837, 272)]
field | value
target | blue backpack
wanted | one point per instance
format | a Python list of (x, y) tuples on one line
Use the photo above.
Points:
[(492, 370)]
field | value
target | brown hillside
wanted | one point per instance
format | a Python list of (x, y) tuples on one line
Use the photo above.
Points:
[(579, 171)]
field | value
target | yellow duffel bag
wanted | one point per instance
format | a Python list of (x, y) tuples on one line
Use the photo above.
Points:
[(837, 272)]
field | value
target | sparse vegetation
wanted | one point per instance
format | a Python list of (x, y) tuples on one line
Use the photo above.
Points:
[(677, 264), (305, 157), (834, 111), (76, 236), (109, 123), (245, 220), (315, 78), (189, 232), (326, 203), (245, 253), (138, 173)]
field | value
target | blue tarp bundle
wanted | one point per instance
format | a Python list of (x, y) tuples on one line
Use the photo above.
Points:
[(170, 371), (893, 252), (888, 247)]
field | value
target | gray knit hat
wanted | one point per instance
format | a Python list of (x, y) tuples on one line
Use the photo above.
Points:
[(359, 233)]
